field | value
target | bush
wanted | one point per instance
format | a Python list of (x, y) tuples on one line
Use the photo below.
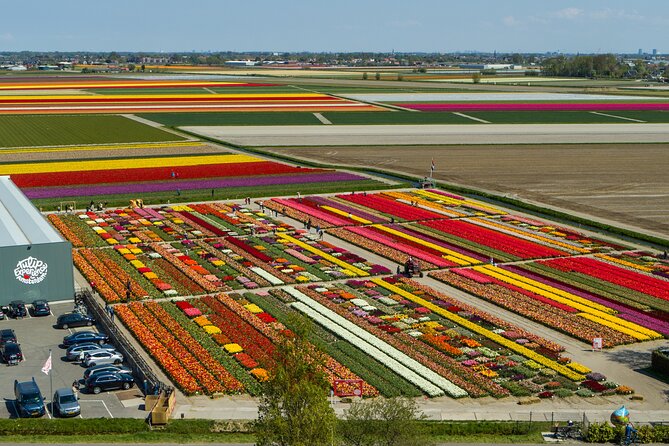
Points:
[(563, 393), (600, 433)]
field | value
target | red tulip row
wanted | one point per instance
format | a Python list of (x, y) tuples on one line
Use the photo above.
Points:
[(515, 246), (229, 382), (176, 371), (392, 207), (620, 276)]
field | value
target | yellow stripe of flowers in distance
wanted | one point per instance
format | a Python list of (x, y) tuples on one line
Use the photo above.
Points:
[(160, 145), (324, 255), (466, 201), (562, 370), (346, 214), (181, 97), (543, 289), (456, 257), (127, 163), (576, 302), (94, 85), (428, 204), (634, 334)]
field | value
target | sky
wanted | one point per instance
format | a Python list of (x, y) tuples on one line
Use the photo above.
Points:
[(585, 26)]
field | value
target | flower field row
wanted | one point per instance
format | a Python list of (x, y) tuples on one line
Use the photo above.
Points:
[(117, 83), (201, 249), (136, 103)]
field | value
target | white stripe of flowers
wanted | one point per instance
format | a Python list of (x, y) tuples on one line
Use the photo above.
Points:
[(425, 378), (267, 276)]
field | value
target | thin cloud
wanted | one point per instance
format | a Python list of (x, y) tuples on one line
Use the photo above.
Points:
[(6, 37), (510, 21), (569, 13)]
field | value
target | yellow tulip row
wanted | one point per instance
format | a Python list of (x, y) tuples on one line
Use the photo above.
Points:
[(456, 202), (451, 255), (524, 351), (607, 323), (425, 203), (179, 97), (542, 289), (547, 240), (364, 221), (153, 145), (108, 164), (624, 262), (596, 312), (348, 268)]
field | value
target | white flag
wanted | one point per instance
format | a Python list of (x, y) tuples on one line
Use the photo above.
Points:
[(47, 365)]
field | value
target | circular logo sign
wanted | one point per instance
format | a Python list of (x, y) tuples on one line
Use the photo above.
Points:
[(30, 271)]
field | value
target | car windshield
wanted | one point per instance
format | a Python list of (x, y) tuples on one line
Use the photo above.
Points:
[(68, 399), (31, 398)]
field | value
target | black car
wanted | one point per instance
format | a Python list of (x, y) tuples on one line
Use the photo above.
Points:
[(74, 320), (17, 308), (7, 335), (109, 381), (105, 368), (11, 353), (81, 337), (41, 308)]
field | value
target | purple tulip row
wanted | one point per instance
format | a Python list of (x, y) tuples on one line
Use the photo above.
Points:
[(135, 188)]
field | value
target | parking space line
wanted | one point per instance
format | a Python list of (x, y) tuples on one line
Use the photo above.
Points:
[(46, 409), (98, 401)]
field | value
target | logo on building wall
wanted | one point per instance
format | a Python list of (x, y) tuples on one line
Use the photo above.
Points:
[(30, 271)]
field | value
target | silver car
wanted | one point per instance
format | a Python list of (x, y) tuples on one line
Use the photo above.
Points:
[(66, 403), (77, 352), (97, 357)]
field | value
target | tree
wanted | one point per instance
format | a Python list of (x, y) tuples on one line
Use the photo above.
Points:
[(476, 78), (365, 76), (131, 67), (294, 409), (383, 422), (377, 76)]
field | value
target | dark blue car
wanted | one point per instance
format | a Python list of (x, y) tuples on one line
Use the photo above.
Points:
[(41, 308), (81, 337)]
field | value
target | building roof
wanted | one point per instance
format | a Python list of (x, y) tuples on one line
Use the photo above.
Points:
[(20, 222)]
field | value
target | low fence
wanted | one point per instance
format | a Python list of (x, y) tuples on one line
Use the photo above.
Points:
[(147, 380)]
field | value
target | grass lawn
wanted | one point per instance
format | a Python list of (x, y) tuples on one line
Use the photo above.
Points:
[(194, 195), (55, 130), (303, 118), (545, 117), (395, 117), (232, 118)]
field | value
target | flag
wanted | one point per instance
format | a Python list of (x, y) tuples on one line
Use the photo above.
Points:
[(46, 368), (432, 166)]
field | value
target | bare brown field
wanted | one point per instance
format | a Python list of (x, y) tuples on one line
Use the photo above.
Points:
[(624, 183)]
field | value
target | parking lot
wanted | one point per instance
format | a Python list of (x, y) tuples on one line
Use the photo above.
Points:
[(37, 336)]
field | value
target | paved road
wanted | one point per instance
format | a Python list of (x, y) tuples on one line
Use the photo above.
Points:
[(298, 135)]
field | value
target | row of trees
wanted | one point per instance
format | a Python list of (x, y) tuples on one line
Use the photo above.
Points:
[(600, 65)]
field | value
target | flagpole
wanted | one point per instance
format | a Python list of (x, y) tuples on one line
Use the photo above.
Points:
[(51, 384)]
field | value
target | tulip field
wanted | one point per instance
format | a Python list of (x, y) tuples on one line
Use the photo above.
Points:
[(209, 289), (102, 179)]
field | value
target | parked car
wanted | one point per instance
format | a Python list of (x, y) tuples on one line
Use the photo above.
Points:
[(2, 314), (98, 357), (65, 403), (74, 320), (82, 337), (29, 400), (41, 308), (77, 352), (104, 368), (17, 309), (109, 381), (7, 335), (11, 353)]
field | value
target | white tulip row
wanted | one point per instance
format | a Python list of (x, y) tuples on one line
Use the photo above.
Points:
[(426, 379), (267, 276)]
